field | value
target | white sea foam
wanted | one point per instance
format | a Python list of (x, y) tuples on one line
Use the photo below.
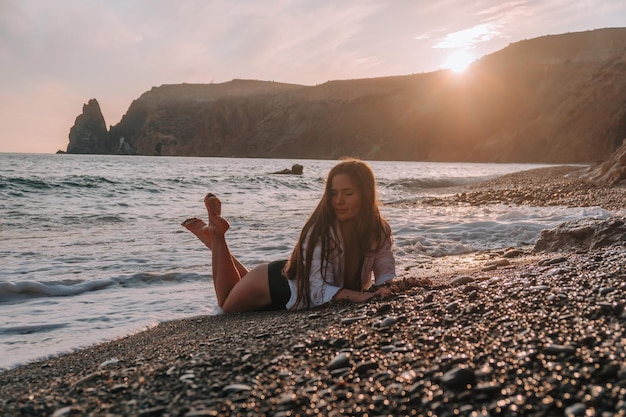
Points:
[(91, 247)]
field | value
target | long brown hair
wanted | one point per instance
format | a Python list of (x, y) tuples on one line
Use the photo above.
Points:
[(370, 228)]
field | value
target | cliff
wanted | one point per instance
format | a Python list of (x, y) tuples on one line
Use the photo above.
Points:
[(559, 98), (89, 133)]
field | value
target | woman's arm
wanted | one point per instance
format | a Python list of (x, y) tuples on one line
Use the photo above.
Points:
[(361, 297), (404, 284)]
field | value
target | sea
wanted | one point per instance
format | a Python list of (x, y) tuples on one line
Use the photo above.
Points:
[(91, 246)]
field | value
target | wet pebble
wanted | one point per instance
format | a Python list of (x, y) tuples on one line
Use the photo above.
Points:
[(452, 306), (606, 290), (462, 280), (364, 367), (236, 388), (350, 320), (556, 349), (459, 378), (498, 262), (388, 322), (342, 360), (512, 253), (552, 261), (576, 410)]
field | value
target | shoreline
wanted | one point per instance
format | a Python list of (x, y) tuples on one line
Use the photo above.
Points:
[(539, 334)]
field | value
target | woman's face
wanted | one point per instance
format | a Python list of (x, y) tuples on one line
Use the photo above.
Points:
[(345, 198)]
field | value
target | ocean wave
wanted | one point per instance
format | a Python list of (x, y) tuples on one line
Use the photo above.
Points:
[(29, 329), (17, 291), (92, 219), (35, 184), (427, 183)]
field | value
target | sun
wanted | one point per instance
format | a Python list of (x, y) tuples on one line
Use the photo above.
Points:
[(458, 61)]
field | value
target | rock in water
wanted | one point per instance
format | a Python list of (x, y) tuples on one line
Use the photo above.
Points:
[(583, 234), (89, 135)]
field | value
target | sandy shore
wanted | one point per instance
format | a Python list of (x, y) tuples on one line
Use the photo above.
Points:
[(497, 334)]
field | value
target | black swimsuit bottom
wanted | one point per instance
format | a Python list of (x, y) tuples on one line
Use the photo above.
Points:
[(279, 287)]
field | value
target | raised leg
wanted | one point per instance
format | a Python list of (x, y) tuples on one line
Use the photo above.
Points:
[(236, 288), (226, 275)]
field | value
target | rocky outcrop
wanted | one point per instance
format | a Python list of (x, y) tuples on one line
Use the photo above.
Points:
[(296, 169), (557, 99), (584, 234), (89, 134), (609, 172)]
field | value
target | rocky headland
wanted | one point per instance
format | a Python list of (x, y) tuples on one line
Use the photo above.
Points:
[(523, 331), (558, 99)]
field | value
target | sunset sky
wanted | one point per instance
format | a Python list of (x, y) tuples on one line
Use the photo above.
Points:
[(56, 55)]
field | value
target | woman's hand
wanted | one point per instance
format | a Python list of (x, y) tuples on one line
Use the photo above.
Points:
[(361, 297), (384, 292)]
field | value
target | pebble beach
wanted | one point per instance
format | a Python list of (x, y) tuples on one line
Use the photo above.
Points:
[(506, 332)]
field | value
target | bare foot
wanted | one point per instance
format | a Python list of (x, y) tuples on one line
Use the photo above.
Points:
[(213, 205), (217, 224), (200, 229)]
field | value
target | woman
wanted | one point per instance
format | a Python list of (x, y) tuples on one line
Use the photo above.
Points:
[(344, 240)]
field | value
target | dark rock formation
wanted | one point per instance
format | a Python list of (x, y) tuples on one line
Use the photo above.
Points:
[(584, 234), (609, 172), (296, 169), (552, 99), (89, 134)]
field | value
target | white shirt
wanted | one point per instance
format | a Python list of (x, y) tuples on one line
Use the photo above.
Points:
[(381, 262)]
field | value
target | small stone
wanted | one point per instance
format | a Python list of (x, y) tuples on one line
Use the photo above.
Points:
[(512, 253), (462, 280), (342, 360), (606, 290), (112, 361), (498, 262), (575, 410), (201, 413), (119, 388), (488, 389), (459, 378), (552, 261), (555, 349), (387, 348), (452, 306), (72, 410), (235, 388), (350, 320), (153, 411), (388, 322), (90, 377), (408, 375), (383, 309), (340, 372), (363, 367), (187, 377), (470, 288)]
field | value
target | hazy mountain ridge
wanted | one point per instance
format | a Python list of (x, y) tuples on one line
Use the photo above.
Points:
[(559, 98)]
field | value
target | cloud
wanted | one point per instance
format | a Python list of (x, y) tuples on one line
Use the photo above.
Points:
[(468, 38)]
